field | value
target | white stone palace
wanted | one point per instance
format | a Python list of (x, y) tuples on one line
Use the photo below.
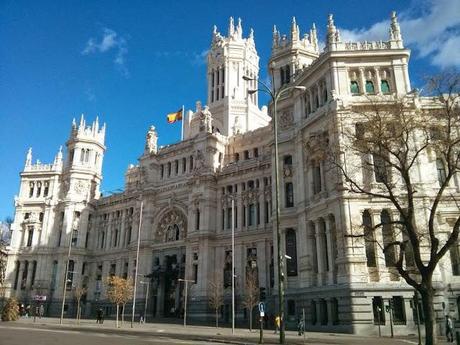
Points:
[(227, 154)]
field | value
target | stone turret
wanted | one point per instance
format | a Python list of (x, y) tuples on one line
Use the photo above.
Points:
[(290, 55), (229, 60)]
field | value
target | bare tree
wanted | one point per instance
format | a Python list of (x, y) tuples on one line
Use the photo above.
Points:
[(216, 296), (79, 293), (378, 153), (119, 292), (251, 293)]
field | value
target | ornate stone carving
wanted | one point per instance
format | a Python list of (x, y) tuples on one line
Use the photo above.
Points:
[(172, 227), (286, 119), (206, 120), (80, 187)]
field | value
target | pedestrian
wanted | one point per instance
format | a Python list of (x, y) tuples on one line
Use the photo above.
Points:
[(300, 325), (141, 319), (277, 323), (41, 311), (449, 329), (27, 311), (99, 314)]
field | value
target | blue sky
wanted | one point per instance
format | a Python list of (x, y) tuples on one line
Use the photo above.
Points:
[(131, 62)]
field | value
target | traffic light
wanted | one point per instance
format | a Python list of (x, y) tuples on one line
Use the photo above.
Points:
[(262, 294)]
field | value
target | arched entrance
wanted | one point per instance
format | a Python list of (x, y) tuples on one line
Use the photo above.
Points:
[(169, 263)]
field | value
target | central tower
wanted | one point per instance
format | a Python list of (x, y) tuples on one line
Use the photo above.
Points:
[(229, 59)]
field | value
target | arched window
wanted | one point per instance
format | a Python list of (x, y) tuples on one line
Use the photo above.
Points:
[(87, 155), (184, 165), (291, 251), (354, 87), (369, 239), (324, 94), (39, 188), (82, 155), (169, 169), (237, 156), (31, 189), (385, 86), (370, 86), (387, 232), (47, 188), (287, 74), (441, 171)]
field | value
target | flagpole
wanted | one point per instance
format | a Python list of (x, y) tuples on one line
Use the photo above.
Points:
[(182, 126)]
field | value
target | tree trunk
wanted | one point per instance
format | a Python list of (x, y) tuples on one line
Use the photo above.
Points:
[(429, 315), (78, 311), (118, 308), (123, 315), (250, 319)]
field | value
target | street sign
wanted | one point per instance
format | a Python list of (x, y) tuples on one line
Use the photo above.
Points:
[(40, 298), (261, 307)]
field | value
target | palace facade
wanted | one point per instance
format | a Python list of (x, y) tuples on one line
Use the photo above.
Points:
[(185, 193)]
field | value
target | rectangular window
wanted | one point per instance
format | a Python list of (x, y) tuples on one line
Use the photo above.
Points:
[(30, 235), (289, 194), (317, 179), (246, 154), (399, 310), (162, 170), (256, 152), (223, 219), (244, 215), (176, 166), (195, 273), (34, 272), (258, 213), (197, 220), (266, 213), (229, 218), (252, 214), (378, 310), (380, 170)]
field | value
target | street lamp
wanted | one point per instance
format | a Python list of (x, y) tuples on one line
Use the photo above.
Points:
[(146, 298), (186, 281), (137, 262), (66, 274), (275, 95)]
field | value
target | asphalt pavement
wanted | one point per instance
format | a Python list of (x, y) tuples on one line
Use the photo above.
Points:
[(48, 331)]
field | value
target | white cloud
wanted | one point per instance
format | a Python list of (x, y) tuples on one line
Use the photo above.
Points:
[(110, 40), (434, 31)]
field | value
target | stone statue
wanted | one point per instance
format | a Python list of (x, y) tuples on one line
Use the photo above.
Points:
[(236, 125), (151, 141), (206, 120)]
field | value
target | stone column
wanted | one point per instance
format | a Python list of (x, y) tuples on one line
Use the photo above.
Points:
[(330, 250), (318, 87), (319, 252), (362, 80), (378, 237), (329, 311), (310, 94), (239, 204), (378, 89)]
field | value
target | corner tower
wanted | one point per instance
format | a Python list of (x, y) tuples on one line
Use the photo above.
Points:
[(290, 55), (229, 59), (83, 168)]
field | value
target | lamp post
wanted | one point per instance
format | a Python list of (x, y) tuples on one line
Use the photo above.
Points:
[(64, 289), (146, 298), (186, 281), (233, 265), (137, 262), (275, 95)]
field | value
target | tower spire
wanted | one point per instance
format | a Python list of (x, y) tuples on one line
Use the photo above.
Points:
[(231, 27), (331, 30), (294, 31), (276, 37)]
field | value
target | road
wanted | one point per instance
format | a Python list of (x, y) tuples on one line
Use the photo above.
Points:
[(36, 336)]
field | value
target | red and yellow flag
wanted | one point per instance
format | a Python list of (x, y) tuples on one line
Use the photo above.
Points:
[(173, 117)]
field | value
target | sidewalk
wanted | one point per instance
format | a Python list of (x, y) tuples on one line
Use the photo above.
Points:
[(206, 333)]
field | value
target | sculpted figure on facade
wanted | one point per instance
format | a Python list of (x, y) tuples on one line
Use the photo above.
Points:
[(151, 141), (206, 120)]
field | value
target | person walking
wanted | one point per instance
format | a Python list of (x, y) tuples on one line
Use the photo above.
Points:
[(300, 325), (41, 311), (449, 329), (277, 323)]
